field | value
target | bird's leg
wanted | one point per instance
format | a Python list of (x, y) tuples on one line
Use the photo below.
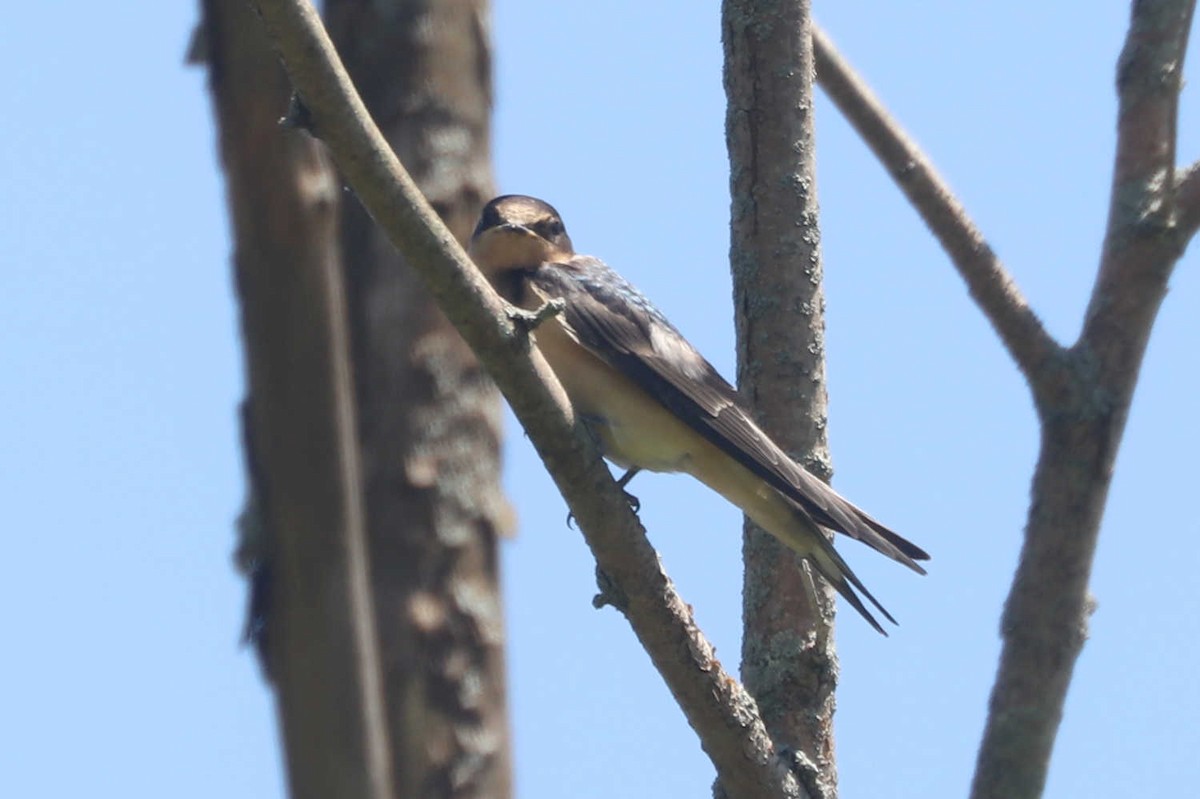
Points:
[(635, 504), (528, 321)]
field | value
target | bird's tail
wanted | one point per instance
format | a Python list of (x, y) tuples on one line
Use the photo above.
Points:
[(811, 542), (830, 565)]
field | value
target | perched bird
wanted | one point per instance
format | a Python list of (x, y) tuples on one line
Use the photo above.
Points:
[(653, 402)]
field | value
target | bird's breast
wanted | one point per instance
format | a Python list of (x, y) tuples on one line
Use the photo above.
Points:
[(634, 428)]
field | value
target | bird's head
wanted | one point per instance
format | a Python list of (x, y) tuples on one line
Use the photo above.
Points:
[(518, 232)]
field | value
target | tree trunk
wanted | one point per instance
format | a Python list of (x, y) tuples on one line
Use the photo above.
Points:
[(402, 693), (429, 416), (318, 643), (788, 660)]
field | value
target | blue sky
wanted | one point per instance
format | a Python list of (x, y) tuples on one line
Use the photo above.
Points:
[(120, 473)]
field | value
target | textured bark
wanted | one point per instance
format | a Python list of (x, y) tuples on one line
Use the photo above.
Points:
[(429, 416), (396, 390), (717, 707), (283, 202), (1082, 393), (1083, 405), (788, 659)]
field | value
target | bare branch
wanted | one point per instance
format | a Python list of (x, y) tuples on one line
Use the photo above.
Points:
[(1142, 241), (1141, 235), (1083, 409), (988, 281), (1187, 201), (720, 711)]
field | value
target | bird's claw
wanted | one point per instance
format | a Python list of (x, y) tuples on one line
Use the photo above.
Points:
[(529, 321), (635, 505)]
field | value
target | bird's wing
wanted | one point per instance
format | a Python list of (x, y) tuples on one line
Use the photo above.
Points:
[(609, 317)]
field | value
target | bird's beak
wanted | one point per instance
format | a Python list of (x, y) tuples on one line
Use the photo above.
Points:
[(507, 246)]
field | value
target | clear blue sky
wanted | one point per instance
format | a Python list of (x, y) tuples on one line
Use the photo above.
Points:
[(121, 474)]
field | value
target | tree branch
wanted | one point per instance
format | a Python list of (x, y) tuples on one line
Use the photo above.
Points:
[(1083, 409), (1187, 201), (989, 283), (1141, 219), (720, 711)]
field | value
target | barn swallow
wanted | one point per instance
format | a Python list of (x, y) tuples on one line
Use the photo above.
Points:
[(651, 401)]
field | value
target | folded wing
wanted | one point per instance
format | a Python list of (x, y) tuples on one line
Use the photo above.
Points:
[(616, 323)]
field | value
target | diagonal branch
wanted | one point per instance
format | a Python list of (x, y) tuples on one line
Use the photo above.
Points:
[(988, 281), (723, 715)]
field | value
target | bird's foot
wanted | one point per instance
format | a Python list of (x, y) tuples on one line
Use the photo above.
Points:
[(528, 321), (635, 504)]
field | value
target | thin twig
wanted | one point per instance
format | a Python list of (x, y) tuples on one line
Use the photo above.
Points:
[(717, 707), (988, 281)]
